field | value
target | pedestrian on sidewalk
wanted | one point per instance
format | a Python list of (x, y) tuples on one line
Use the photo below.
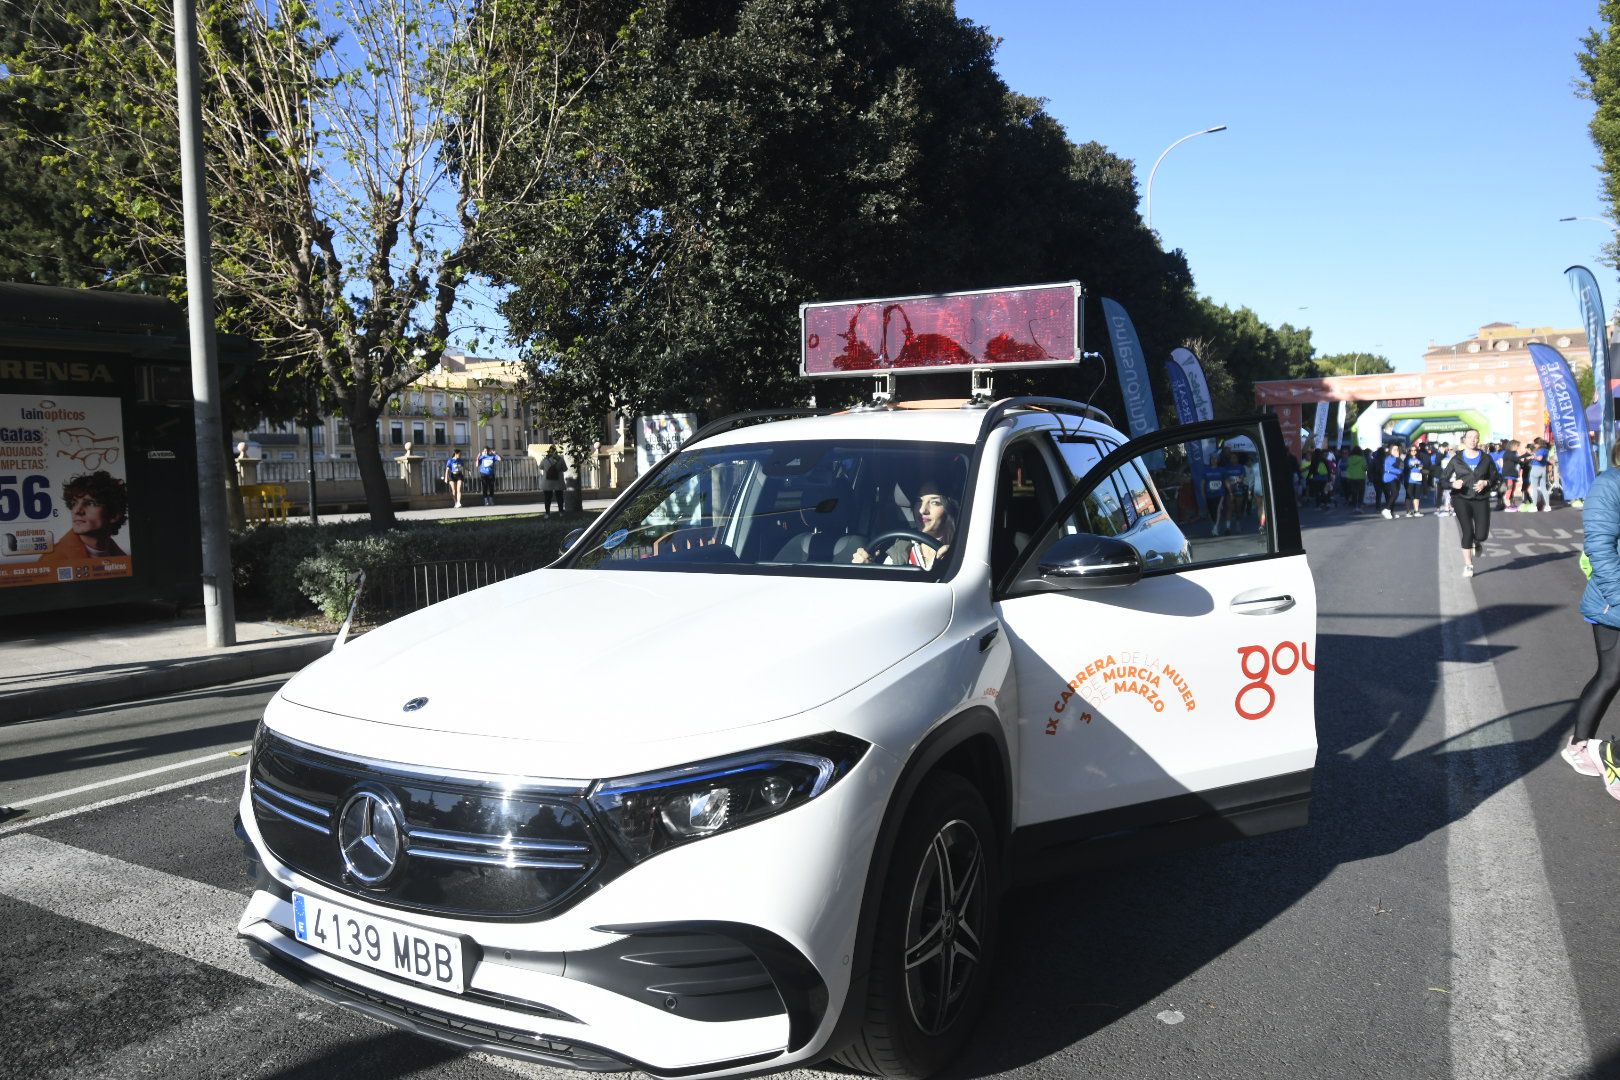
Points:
[(486, 473), (454, 474), (551, 479), (1600, 606), (1471, 476)]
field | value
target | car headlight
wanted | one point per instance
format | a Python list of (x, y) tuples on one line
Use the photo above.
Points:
[(654, 811)]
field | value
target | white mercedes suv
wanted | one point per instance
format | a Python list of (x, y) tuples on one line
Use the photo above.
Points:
[(738, 782)]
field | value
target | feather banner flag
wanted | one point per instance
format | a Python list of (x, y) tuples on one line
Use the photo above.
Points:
[(1567, 419), (1585, 287), (1133, 370), (1181, 392)]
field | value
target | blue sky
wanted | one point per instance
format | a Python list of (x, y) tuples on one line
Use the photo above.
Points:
[(1397, 171)]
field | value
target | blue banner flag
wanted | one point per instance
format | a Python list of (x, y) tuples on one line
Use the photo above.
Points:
[(1187, 360), (1198, 387), (1133, 370), (1568, 420), (1585, 287), (1181, 392)]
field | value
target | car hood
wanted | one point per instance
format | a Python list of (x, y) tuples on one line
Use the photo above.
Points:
[(605, 657)]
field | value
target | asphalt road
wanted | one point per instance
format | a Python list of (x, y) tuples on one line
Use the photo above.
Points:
[(1448, 913)]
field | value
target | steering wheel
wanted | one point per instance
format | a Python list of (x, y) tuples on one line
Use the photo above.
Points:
[(880, 541)]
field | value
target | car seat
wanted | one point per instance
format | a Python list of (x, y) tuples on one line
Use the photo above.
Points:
[(828, 539)]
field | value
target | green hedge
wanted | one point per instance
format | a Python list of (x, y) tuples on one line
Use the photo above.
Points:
[(297, 569)]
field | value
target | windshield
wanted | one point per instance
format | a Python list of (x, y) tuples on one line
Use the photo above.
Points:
[(862, 507)]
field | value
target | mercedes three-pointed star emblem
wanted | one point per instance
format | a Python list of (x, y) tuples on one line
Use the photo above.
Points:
[(370, 836)]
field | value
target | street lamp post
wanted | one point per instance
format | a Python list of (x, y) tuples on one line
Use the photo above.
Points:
[(1148, 214), (219, 603)]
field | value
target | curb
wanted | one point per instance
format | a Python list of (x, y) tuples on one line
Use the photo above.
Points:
[(162, 677)]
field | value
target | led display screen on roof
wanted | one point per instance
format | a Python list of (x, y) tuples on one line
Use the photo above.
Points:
[(1036, 326)]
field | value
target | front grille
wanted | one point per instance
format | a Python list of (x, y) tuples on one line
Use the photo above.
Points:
[(471, 849)]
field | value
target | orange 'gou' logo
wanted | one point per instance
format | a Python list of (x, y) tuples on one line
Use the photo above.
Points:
[(1259, 664)]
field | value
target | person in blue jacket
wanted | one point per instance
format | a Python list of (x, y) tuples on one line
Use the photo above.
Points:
[(486, 473), (1417, 478), (1600, 606), (1390, 481)]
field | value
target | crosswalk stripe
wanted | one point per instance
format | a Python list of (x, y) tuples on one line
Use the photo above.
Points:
[(31, 822), (166, 911), (163, 910), (126, 778), (1514, 1009)]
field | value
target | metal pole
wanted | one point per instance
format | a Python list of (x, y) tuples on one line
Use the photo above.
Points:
[(309, 437), (219, 606)]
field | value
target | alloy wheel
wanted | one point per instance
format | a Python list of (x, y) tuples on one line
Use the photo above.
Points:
[(945, 927)]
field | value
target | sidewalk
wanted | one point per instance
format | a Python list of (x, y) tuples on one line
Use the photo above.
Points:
[(123, 660), (105, 656)]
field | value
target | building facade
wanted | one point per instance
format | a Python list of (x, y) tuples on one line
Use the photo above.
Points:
[(466, 403), (1505, 346)]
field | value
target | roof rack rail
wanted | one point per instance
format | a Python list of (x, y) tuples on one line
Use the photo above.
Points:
[(737, 420), (998, 412)]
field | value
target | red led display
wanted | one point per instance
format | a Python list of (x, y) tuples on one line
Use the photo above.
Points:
[(1029, 327)]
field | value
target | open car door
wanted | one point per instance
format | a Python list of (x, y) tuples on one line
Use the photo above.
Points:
[(1163, 626)]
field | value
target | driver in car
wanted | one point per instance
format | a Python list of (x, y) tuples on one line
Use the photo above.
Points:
[(936, 514)]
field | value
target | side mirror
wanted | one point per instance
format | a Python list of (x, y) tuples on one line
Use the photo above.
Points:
[(1084, 561), (570, 540)]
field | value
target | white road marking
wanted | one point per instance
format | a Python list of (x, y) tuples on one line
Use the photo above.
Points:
[(132, 900), (1514, 1010), (140, 903), (30, 822), (238, 752)]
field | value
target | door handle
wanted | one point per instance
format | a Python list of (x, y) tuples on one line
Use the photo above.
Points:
[(1265, 605)]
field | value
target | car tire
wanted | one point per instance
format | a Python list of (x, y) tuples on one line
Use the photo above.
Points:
[(935, 935)]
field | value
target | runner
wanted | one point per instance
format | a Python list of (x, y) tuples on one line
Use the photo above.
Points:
[(1471, 476)]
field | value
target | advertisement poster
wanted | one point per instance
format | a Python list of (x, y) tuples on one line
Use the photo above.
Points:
[(64, 502), (660, 436)]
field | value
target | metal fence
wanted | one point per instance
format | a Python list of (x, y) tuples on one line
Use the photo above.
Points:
[(400, 590), (297, 472), (513, 475)]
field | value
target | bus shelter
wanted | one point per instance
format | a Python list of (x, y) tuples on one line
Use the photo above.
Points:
[(98, 460)]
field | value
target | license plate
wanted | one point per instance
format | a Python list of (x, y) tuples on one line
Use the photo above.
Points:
[(381, 944)]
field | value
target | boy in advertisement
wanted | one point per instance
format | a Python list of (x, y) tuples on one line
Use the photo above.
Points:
[(99, 505)]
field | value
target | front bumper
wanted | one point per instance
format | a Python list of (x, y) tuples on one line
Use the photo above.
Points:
[(721, 956)]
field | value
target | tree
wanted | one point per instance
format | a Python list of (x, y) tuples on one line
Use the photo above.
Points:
[(349, 151), (1244, 350), (1599, 83), (49, 235), (1355, 363), (751, 156)]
